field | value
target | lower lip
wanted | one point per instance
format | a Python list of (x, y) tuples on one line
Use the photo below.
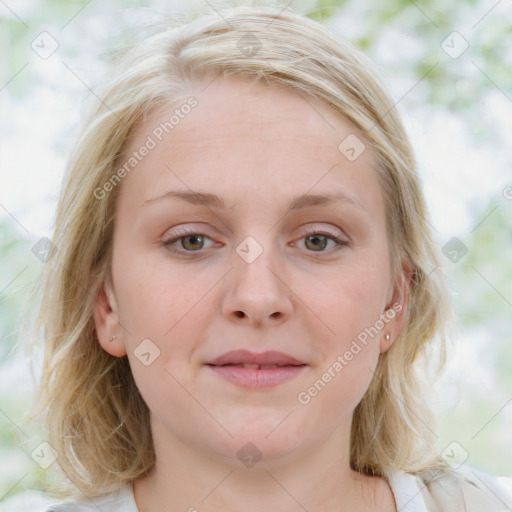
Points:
[(254, 378)]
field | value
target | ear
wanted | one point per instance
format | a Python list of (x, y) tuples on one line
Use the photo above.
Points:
[(106, 320), (396, 309)]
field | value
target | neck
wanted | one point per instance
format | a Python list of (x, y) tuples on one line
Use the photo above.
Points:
[(186, 478)]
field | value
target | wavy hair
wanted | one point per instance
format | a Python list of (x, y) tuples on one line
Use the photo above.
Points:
[(94, 415)]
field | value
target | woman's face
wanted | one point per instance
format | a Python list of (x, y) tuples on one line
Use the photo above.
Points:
[(214, 252)]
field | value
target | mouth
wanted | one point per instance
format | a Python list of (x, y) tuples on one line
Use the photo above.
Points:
[(263, 359), (264, 370), (255, 366)]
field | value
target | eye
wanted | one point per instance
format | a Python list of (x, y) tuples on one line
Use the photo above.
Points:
[(318, 240), (193, 242), (190, 241)]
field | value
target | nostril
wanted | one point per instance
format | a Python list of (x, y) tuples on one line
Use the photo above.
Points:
[(240, 314)]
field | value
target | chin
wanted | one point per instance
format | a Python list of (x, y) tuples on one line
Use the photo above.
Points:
[(264, 444)]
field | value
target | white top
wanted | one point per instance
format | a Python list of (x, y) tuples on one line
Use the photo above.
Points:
[(407, 493), (412, 494)]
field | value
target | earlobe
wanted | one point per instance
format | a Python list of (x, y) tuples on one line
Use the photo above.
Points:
[(385, 342), (106, 321), (396, 309)]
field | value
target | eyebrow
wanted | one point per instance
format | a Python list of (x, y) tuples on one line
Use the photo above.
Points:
[(298, 202)]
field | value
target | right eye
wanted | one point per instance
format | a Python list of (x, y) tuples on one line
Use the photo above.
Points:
[(190, 241)]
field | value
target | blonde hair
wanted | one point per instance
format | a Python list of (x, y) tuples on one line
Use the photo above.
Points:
[(95, 417)]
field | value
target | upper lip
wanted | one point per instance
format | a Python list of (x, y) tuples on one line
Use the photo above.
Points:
[(271, 357)]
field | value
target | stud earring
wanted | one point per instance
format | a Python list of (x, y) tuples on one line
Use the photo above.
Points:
[(387, 336), (112, 338)]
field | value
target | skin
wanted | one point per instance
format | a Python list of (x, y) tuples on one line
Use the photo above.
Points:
[(257, 148)]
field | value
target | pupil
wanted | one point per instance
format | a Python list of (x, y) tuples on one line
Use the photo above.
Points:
[(193, 237), (316, 237)]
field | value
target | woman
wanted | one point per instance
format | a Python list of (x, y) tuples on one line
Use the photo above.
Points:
[(246, 285)]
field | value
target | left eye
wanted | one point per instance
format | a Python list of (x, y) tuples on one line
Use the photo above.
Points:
[(192, 242), (319, 240)]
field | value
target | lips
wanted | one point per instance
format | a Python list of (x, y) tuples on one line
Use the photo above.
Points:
[(257, 371), (265, 360)]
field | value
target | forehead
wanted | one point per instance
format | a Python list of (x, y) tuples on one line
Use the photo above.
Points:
[(252, 140)]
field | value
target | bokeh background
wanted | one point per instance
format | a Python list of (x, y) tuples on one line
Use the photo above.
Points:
[(449, 68)]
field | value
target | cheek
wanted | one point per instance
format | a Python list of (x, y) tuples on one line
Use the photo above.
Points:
[(350, 300), (166, 305), (156, 298), (348, 360), (349, 310), (336, 393)]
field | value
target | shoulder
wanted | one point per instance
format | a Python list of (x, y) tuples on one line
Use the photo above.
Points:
[(467, 489), (36, 501)]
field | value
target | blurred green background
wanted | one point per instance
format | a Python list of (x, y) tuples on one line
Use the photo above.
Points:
[(457, 109)]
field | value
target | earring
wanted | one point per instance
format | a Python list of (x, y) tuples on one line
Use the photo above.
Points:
[(112, 338), (387, 336)]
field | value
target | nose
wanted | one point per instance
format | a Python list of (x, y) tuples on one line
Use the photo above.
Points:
[(258, 290)]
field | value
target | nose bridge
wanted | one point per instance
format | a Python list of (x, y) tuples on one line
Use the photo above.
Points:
[(256, 247), (256, 286), (257, 263)]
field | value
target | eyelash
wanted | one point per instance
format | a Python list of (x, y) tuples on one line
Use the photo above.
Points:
[(188, 232)]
